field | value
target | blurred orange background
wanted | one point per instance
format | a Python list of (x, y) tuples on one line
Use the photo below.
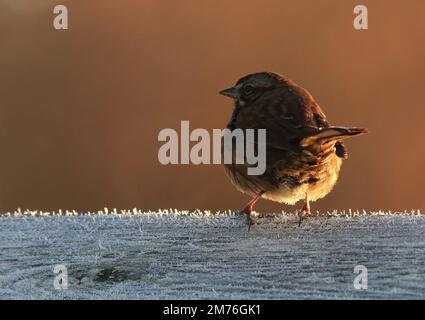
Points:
[(80, 110)]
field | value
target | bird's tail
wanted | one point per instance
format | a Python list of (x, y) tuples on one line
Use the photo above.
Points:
[(331, 134)]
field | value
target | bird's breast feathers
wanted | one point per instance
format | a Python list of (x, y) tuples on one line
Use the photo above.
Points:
[(316, 181)]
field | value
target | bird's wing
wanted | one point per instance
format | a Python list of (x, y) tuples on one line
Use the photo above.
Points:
[(288, 117)]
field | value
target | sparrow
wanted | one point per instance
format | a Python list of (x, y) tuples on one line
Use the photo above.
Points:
[(304, 152)]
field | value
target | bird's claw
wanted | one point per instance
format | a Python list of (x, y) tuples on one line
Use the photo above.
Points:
[(300, 217), (249, 220)]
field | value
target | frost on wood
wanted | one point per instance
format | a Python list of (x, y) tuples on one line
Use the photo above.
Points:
[(196, 213), (164, 255)]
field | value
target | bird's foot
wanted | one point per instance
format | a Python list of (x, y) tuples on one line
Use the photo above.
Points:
[(247, 211), (300, 217), (304, 212)]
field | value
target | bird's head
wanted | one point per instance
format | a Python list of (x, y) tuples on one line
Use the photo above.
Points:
[(253, 86)]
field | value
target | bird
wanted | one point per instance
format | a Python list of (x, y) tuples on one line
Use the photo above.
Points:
[(304, 152)]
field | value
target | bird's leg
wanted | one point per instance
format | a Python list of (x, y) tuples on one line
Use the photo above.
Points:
[(305, 210), (248, 209)]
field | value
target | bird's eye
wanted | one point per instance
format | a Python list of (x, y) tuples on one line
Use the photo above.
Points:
[(248, 88)]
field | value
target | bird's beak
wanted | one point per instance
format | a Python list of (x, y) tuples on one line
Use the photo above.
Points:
[(230, 92)]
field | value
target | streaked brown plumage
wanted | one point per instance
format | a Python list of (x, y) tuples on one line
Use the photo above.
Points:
[(304, 153)]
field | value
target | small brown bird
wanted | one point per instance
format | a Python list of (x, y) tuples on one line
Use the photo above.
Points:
[(303, 152)]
